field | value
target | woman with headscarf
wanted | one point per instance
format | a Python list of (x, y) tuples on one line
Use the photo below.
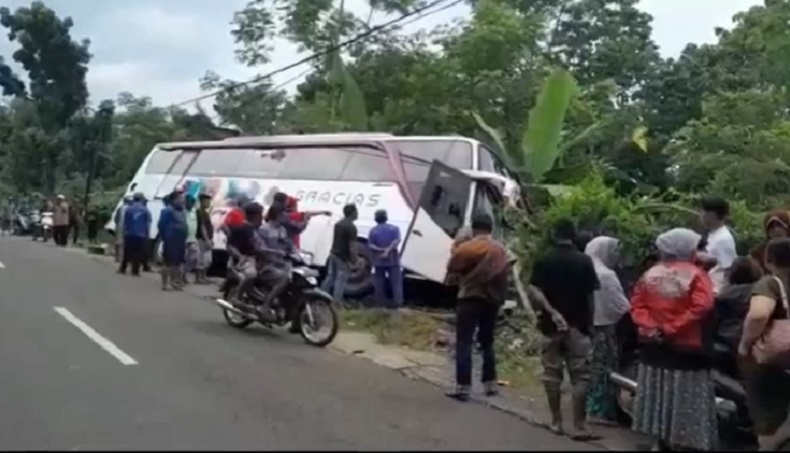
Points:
[(675, 400), (777, 225), (763, 350), (610, 305)]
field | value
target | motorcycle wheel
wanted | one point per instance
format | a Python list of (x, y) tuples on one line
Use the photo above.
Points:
[(317, 312), (233, 319)]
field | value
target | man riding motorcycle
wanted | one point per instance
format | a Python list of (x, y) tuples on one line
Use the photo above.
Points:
[(261, 252), (242, 245), (276, 245)]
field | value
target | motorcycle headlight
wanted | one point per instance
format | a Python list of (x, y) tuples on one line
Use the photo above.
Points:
[(307, 273), (307, 257)]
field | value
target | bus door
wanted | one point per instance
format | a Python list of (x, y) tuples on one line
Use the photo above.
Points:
[(438, 218), (176, 173)]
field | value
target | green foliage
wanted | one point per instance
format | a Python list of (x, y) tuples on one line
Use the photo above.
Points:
[(631, 139), (594, 206), (541, 143), (597, 208)]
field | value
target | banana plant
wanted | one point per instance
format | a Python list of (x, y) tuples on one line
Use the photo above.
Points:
[(352, 101), (541, 143)]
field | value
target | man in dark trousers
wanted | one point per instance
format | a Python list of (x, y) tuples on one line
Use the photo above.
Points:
[(136, 227), (480, 265), (562, 286), (342, 255)]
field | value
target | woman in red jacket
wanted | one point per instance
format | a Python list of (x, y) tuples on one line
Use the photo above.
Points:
[(675, 399)]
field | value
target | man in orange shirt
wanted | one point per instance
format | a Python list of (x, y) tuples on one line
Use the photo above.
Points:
[(298, 219)]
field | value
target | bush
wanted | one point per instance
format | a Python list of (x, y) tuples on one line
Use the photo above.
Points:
[(636, 221)]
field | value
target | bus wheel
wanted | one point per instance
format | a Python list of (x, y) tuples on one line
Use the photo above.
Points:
[(360, 280)]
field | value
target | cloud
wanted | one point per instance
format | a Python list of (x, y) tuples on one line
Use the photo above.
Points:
[(138, 77), (679, 22), (153, 26)]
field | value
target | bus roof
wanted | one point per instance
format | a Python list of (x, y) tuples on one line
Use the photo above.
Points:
[(296, 140), (303, 137)]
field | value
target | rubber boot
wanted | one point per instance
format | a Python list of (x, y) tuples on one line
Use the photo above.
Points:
[(554, 398), (176, 277), (164, 273)]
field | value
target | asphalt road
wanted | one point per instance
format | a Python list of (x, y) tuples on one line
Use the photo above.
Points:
[(93, 360)]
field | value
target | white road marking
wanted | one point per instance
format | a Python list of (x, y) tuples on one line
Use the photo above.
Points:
[(2, 266), (105, 344)]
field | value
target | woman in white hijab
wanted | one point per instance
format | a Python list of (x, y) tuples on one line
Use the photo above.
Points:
[(675, 399), (610, 305)]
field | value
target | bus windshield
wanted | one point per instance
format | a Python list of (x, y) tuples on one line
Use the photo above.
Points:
[(417, 156)]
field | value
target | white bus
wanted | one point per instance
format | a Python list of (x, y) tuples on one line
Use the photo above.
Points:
[(428, 185)]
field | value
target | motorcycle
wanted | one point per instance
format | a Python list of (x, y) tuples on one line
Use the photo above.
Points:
[(42, 225), (733, 413), (301, 303), (23, 223)]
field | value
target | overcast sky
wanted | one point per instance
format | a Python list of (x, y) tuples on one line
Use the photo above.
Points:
[(160, 48)]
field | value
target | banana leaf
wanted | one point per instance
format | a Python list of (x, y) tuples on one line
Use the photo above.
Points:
[(336, 69), (584, 136), (511, 161), (541, 140), (352, 101)]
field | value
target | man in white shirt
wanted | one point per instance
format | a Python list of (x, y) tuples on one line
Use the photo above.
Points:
[(720, 251)]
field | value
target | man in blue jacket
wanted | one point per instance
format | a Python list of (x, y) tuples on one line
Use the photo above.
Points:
[(136, 227)]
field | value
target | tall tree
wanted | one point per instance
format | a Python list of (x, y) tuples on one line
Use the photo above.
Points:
[(9, 81), (254, 108), (56, 66)]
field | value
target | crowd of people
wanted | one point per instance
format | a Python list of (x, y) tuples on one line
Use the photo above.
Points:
[(258, 242), (697, 307), (67, 217)]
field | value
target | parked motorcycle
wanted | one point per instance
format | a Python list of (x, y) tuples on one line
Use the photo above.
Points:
[(302, 302), (42, 225), (735, 424), (22, 223)]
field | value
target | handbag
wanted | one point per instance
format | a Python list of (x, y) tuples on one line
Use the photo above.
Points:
[(773, 347)]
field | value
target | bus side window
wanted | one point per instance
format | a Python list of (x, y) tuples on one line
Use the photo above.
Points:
[(490, 162), (486, 160), (161, 161)]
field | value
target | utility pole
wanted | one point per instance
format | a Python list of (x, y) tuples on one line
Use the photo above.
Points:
[(100, 140)]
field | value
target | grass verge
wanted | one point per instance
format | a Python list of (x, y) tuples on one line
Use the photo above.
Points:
[(411, 329), (517, 344)]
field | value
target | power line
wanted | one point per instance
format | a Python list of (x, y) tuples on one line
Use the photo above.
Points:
[(445, 7), (217, 116), (328, 50)]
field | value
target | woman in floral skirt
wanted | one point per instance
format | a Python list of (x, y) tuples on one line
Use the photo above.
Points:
[(675, 400)]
